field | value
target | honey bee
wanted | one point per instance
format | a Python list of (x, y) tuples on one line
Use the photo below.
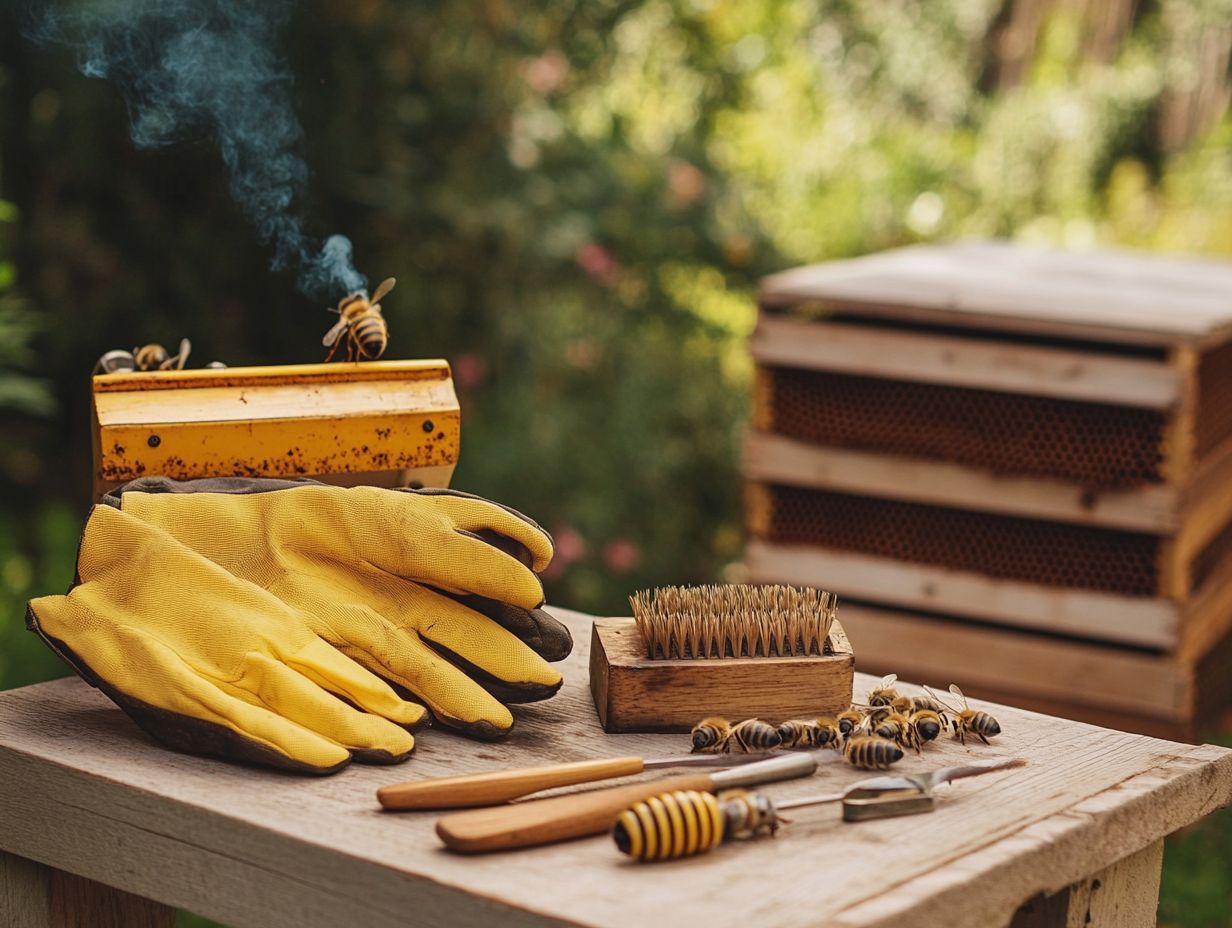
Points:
[(850, 720), (926, 724), (808, 733), (898, 728), (926, 704), (709, 735), (154, 357), (871, 752), (367, 333), (718, 736), (968, 721), (883, 694), (151, 357)]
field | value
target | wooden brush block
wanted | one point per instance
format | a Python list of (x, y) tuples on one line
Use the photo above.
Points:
[(634, 693)]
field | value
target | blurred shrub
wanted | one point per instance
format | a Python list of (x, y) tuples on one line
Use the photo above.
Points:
[(578, 199)]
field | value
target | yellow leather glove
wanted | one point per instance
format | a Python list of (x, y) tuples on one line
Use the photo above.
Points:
[(373, 567), (213, 664)]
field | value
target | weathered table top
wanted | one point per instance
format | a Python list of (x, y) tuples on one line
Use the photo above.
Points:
[(83, 790)]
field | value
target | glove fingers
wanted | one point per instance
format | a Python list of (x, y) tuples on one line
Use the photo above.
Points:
[(296, 698), (481, 643), (475, 514), (476, 567), (330, 669), (455, 699), (170, 684), (536, 628)]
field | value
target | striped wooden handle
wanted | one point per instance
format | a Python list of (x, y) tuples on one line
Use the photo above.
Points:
[(546, 821), (486, 789)]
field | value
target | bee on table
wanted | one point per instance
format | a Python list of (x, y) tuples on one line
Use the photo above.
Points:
[(968, 721), (883, 694), (926, 724), (809, 733), (872, 752), (367, 333), (718, 736), (849, 721)]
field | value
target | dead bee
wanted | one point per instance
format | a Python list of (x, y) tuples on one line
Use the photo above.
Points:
[(926, 724), (808, 733), (871, 752), (968, 721), (709, 735), (718, 736), (849, 720), (367, 333), (897, 728), (883, 694), (151, 357), (154, 357)]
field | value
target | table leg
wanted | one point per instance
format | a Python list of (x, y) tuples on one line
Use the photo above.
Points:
[(1124, 895), (33, 895)]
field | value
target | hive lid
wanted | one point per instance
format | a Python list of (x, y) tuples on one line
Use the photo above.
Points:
[(1124, 296)]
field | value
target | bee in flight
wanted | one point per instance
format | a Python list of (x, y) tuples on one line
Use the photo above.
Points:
[(361, 321)]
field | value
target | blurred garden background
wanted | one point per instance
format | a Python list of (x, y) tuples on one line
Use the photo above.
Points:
[(577, 200)]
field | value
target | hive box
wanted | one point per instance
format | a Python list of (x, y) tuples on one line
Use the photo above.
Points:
[(1014, 464)]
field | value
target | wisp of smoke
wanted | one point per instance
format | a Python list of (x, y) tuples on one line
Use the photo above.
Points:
[(211, 67)]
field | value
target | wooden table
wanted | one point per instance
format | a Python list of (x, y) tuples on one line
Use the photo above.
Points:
[(100, 827)]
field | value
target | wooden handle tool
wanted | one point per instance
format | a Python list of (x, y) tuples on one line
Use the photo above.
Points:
[(489, 789), (560, 818)]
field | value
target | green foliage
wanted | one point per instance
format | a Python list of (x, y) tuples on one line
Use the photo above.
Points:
[(577, 200)]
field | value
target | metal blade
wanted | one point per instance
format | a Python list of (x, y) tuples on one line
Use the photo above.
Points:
[(704, 760), (780, 767)]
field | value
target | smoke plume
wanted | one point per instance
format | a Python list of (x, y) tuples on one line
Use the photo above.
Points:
[(210, 68)]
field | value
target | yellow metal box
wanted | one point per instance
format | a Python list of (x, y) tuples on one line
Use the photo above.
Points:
[(381, 423)]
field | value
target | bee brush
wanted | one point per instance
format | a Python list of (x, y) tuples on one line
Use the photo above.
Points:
[(733, 650), (489, 789)]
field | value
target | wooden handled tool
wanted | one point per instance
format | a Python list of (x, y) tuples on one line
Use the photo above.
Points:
[(487, 789), (560, 818)]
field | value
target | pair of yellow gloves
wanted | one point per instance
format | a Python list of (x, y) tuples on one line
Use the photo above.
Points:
[(285, 623)]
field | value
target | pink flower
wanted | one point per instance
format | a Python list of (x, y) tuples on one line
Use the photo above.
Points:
[(598, 263), (570, 546), (470, 370), (685, 183), (621, 555), (547, 73), (582, 353)]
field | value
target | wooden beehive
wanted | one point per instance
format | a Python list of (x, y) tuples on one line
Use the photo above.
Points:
[(382, 423), (1014, 464)]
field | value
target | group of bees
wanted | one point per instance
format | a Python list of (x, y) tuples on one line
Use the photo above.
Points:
[(152, 357), (872, 735), (366, 331)]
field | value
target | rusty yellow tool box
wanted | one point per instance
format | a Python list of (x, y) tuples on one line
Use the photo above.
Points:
[(382, 423)]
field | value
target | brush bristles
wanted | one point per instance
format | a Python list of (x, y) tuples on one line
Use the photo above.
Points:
[(733, 621)]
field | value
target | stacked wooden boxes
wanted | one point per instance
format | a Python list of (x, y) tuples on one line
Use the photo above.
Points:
[(1014, 466)]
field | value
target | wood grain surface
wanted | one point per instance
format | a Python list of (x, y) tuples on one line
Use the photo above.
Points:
[(83, 790), (1123, 296), (634, 693)]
